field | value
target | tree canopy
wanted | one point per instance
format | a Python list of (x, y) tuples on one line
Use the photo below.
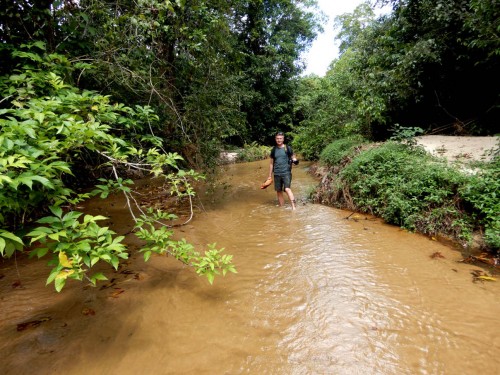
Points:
[(428, 64), (157, 86), (163, 86)]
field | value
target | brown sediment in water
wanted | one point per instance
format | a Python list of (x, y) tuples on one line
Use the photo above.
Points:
[(314, 293)]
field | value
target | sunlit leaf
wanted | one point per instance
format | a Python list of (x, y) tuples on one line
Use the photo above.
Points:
[(54, 236), (98, 276), (64, 274), (10, 236), (56, 210), (2, 245), (52, 275), (64, 261), (59, 284)]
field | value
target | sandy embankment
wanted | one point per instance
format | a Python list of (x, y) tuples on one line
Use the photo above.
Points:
[(459, 148)]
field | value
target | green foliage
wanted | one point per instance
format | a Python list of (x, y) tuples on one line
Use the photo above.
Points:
[(48, 128), (75, 246), (482, 192), (333, 107), (273, 36), (158, 240), (338, 150), (253, 152), (215, 72), (406, 134), (43, 136), (9, 243), (352, 26), (408, 188), (111, 186), (483, 22), (427, 63)]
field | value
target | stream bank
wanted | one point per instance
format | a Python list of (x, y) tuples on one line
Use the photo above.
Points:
[(444, 196)]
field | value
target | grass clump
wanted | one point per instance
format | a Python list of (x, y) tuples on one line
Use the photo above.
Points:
[(340, 150)]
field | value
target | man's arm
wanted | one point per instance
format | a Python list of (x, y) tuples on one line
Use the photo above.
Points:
[(271, 167)]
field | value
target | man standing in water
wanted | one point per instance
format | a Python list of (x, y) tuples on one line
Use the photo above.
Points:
[(282, 158)]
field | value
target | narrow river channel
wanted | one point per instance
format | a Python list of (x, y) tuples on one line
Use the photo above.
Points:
[(315, 293)]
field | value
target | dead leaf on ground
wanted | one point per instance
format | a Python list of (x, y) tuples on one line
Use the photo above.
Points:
[(111, 283), (17, 284), (117, 292), (486, 278), (32, 323), (436, 255), (480, 275), (127, 272), (88, 311), (483, 258)]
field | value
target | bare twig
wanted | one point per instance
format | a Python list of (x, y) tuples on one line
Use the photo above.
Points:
[(448, 113), (130, 197), (7, 97)]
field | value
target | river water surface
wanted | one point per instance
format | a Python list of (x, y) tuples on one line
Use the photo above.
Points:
[(315, 293)]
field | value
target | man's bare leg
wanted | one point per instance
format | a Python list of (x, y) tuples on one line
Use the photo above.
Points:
[(290, 197), (281, 199)]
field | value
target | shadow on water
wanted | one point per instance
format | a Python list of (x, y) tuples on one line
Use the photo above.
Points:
[(314, 294)]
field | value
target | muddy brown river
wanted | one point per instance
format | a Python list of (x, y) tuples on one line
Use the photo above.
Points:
[(315, 293)]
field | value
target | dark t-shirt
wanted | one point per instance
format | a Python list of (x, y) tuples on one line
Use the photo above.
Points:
[(281, 165)]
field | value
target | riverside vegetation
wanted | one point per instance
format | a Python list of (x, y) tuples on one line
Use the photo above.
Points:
[(95, 93), (51, 130), (403, 184)]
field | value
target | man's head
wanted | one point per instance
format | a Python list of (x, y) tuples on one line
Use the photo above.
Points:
[(279, 138)]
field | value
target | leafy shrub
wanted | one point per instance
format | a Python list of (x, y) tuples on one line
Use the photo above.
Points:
[(309, 142), (405, 134), (405, 186), (253, 152), (76, 245), (312, 139), (481, 191), (408, 188), (46, 125), (338, 150)]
